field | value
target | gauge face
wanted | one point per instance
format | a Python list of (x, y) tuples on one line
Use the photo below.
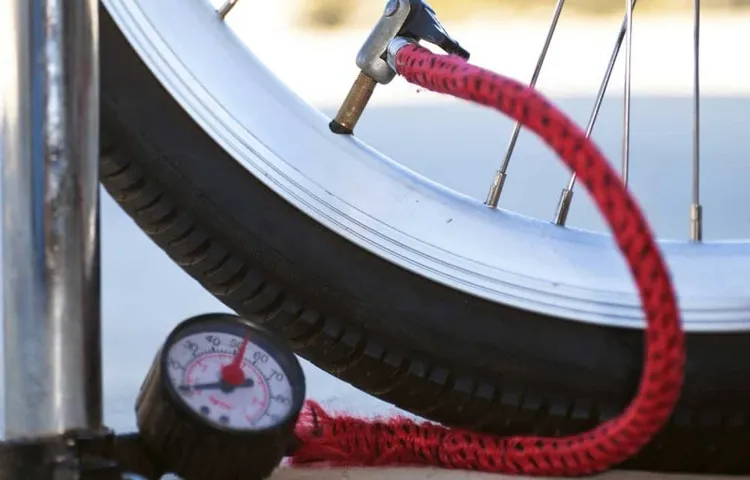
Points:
[(256, 396)]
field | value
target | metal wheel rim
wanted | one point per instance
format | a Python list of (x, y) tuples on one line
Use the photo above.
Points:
[(399, 215)]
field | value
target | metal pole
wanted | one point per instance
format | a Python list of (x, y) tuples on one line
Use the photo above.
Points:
[(50, 218)]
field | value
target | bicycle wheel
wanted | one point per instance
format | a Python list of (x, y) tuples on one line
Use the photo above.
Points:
[(418, 295)]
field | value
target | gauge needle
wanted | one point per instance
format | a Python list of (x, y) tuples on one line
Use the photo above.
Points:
[(232, 373), (221, 385)]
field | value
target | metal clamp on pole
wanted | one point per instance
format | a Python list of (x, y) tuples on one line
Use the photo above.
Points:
[(52, 354), (412, 19)]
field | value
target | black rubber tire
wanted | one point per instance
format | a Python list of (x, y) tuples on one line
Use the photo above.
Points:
[(419, 345)]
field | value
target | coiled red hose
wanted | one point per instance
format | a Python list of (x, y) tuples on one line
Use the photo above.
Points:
[(349, 441)]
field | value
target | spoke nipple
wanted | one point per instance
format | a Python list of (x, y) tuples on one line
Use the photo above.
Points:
[(563, 207), (226, 8), (493, 196), (696, 222), (354, 105)]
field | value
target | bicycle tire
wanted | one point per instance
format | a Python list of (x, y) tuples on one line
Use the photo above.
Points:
[(422, 346)]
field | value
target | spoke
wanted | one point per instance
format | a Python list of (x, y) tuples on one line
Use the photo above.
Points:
[(226, 8), (566, 197), (696, 220), (496, 189), (626, 96)]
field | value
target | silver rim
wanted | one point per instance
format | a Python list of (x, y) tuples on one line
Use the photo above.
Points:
[(400, 216)]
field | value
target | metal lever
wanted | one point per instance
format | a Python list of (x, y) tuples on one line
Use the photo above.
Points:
[(412, 19), (422, 24)]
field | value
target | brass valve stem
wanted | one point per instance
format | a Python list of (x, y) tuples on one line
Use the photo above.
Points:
[(354, 105)]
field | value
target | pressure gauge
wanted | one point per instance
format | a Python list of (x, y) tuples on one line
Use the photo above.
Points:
[(221, 400)]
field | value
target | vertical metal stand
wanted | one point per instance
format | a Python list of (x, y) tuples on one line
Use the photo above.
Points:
[(51, 281), (50, 211)]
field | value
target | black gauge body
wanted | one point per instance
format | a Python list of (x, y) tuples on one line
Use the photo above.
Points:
[(201, 427)]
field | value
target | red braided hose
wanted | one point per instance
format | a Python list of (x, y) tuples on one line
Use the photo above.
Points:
[(350, 441)]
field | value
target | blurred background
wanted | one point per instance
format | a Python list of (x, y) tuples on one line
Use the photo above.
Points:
[(311, 45), (326, 14)]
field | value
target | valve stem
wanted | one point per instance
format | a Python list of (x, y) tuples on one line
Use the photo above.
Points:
[(354, 105)]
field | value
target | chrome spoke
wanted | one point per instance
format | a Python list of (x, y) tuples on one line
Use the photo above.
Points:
[(496, 189), (626, 96), (226, 8), (696, 211), (566, 197)]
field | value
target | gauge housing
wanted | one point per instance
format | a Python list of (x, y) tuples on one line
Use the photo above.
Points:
[(189, 445)]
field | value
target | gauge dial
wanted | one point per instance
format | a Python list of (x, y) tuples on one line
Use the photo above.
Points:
[(231, 374), (261, 400)]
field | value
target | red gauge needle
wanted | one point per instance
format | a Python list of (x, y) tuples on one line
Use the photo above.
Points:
[(232, 373)]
